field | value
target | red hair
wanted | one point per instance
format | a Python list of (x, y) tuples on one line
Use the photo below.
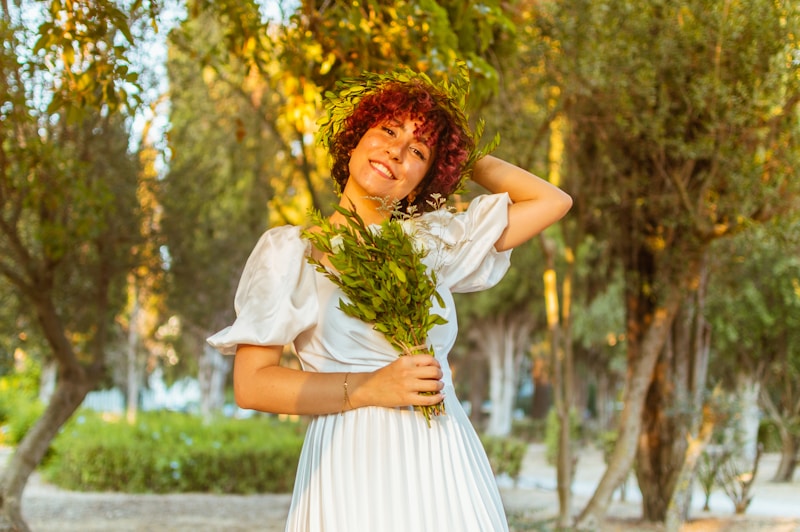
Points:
[(438, 123)]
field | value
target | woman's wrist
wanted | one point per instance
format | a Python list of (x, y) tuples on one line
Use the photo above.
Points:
[(356, 390)]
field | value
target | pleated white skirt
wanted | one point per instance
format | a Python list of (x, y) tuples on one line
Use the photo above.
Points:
[(383, 470)]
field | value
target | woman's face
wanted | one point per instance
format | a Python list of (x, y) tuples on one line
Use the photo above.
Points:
[(389, 161)]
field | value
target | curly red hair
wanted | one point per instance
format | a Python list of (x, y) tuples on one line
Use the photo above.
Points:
[(436, 114)]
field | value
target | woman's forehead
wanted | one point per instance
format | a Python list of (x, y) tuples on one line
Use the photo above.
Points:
[(423, 128)]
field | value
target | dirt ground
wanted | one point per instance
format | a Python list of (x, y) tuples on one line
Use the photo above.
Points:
[(530, 503)]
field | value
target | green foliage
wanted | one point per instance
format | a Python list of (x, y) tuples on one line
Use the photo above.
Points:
[(505, 454), (709, 466), (170, 452), (381, 272), (19, 410), (552, 431), (335, 40), (682, 122), (92, 44), (528, 429), (754, 296), (19, 402), (226, 153), (769, 436), (754, 310), (607, 441)]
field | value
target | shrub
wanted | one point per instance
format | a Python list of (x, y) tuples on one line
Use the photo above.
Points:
[(19, 410), (528, 429), (552, 432), (505, 454), (769, 436), (169, 452)]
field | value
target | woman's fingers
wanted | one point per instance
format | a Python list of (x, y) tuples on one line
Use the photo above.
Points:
[(409, 380)]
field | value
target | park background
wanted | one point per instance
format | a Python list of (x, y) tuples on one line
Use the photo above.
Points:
[(146, 145)]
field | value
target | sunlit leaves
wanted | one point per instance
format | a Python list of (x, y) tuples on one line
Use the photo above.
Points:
[(683, 117), (86, 46)]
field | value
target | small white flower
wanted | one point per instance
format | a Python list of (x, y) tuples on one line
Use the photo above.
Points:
[(337, 242), (408, 227), (419, 246)]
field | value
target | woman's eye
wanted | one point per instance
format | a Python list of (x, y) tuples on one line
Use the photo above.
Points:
[(419, 153), (388, 130)]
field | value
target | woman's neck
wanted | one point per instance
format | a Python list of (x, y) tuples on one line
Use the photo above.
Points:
[(371, 210)]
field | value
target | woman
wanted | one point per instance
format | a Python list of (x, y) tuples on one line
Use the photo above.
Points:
[(369, 461)]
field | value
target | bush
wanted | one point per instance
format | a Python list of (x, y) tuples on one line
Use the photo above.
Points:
[(528, 429), (505, 454), (19, 410), (552, 432), (769, 436), (169, 452)]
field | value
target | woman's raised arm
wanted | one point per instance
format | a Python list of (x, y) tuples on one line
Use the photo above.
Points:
[(536, 203)]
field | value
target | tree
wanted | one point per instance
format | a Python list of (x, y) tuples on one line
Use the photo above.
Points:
[(680, 126), (225, 160), (68, 191), (754, 314), (500, 324)]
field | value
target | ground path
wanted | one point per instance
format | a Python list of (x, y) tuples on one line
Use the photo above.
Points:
[(775, 507)]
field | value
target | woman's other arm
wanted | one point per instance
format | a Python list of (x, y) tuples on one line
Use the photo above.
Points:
[(260, 383), (536, 203)]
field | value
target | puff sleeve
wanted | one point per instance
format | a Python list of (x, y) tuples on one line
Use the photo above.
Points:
[(276, 297), (461, 246)]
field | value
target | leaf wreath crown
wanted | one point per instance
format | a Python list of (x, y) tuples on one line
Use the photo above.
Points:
[(348, 93)]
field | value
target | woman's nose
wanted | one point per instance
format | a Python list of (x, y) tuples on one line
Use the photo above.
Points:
[(394, 150)]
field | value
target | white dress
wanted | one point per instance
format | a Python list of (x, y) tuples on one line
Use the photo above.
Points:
[(378, 469)]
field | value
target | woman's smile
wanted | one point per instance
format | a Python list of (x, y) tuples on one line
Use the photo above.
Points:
[(382, 169)]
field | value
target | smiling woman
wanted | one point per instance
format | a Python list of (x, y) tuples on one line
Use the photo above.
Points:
[(370, 462)]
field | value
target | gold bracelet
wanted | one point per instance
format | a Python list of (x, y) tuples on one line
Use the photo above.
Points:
[(346, 401)]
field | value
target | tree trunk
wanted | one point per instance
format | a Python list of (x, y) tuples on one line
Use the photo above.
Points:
[(477, 388), (642, 359), (788, 462), (748, 388), (658, 452), (789, 442), (677, 511), (674, 407), (74, 381), (132, 358), (47, 381), (542, 398), (503, 341), (558, 326), (70, 391), (604, 400), (212, 374)]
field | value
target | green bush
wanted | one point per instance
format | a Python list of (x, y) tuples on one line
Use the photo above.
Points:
[(769, 436), (552, 431), (528, 429), (607, 441), (505, 454), (19, 410), (169, 452)]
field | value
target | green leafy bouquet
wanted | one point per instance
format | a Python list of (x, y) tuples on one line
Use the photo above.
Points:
[(380, 270)]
